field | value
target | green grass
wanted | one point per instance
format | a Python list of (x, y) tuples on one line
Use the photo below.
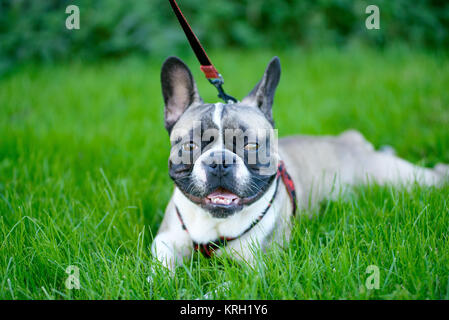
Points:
[(83, 179)]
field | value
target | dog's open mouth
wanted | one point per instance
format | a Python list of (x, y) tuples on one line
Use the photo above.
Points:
[(222, 197), (222, 202)]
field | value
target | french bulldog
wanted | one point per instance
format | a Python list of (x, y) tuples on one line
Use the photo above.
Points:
[(236, 185)]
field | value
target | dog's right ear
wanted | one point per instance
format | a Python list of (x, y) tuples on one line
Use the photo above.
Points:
[(262, 94), (179, 90)]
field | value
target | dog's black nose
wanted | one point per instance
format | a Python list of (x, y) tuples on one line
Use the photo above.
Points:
[(220, 164)]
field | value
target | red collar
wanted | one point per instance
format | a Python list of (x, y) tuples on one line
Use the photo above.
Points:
[(207, 249)]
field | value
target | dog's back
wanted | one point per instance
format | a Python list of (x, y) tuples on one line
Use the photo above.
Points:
[(325, 166)]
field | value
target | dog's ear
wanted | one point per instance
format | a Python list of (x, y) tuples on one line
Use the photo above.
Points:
[(262, 94), (178, 88)]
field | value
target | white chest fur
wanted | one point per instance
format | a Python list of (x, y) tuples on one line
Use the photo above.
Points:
[(203, 228)]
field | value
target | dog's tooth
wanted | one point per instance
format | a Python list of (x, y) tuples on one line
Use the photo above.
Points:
[(221, 200)]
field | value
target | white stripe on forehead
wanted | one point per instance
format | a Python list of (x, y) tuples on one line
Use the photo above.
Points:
[(218, 111)]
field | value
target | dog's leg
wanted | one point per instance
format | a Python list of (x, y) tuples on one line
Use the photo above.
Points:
[(172, 243), (387, 168), (442, 169), (170, 247), (383, 166)]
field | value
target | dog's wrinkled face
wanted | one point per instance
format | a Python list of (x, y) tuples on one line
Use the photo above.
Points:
[(223, 156)]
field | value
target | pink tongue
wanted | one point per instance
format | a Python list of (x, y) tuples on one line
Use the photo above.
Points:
[(223, 194)]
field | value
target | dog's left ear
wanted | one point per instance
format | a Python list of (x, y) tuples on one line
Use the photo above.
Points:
[(179, 90), (262, 94)]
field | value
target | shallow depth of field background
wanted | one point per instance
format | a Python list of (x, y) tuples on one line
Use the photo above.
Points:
[(83, 150)]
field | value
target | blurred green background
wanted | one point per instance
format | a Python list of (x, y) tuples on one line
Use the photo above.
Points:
[(35, 30)]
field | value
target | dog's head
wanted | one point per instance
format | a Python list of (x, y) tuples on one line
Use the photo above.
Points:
[(223, 156)]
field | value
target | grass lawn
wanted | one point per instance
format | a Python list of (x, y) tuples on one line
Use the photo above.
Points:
[(84, 179)]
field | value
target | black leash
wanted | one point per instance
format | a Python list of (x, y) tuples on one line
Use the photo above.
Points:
[(207, 67)]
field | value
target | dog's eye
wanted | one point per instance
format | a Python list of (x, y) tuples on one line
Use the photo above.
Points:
[(251, 146), (189, 146)]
